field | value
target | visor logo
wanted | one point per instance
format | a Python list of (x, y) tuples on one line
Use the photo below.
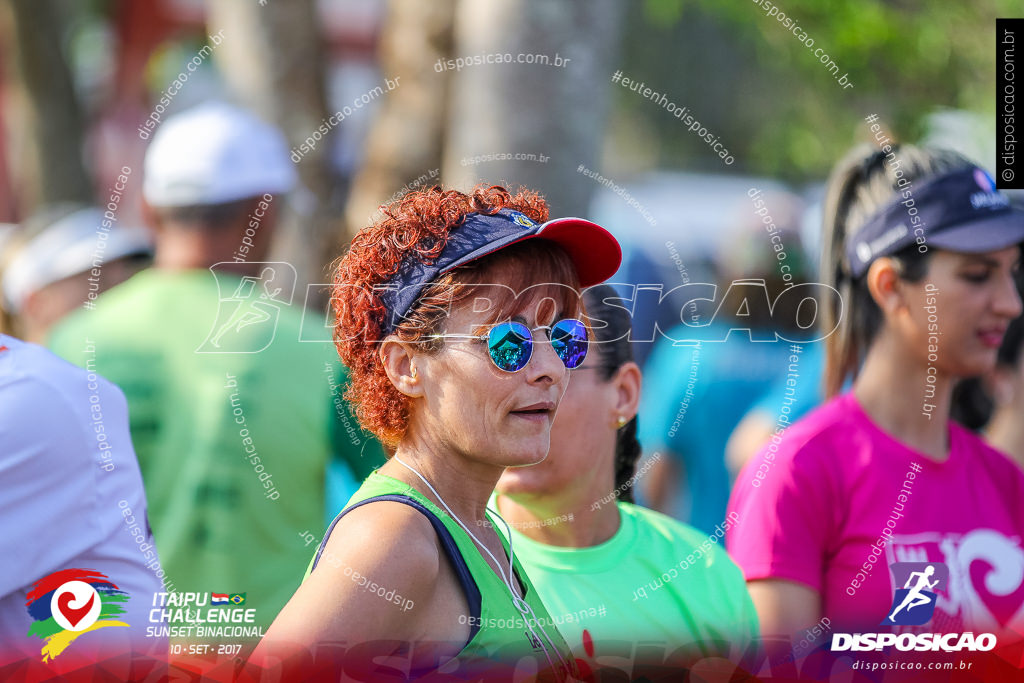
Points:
[(984, 180), (989, 197), (521, 219), (864, 252)]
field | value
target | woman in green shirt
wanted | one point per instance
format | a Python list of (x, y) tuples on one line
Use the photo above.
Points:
[(458, 317), (620, 581)]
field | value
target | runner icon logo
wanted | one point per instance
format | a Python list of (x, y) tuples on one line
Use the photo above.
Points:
[(914, 603), (248, 307)]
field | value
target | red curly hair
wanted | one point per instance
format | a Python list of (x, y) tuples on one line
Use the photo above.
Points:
[(416, 227)]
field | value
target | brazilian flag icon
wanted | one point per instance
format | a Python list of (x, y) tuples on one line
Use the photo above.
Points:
[(237, 598)]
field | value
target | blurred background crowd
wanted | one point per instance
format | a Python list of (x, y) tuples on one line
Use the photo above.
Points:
[(114, 211)]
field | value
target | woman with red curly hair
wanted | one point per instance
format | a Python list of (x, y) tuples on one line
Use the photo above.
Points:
[(459, 317)]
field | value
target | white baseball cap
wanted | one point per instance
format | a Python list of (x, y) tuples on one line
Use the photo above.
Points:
[(69, 246), (215, 153)]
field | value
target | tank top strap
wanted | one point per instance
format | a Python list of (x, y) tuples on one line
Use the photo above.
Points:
[(499, 633), (451, 549)]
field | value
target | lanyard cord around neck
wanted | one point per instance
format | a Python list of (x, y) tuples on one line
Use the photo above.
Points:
[(520, 604)]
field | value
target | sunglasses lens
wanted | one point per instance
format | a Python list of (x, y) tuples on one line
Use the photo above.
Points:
[(510, 345), (569, 339)]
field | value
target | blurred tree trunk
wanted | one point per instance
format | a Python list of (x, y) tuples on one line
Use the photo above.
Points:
[(540, 109), (404, 146), (273, 59), (50, 152)]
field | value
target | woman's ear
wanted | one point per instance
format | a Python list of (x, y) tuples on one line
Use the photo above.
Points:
[(398, 359), (884, 284), (628, 381)]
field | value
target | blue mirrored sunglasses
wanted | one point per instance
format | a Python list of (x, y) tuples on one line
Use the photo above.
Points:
[(510, 344)]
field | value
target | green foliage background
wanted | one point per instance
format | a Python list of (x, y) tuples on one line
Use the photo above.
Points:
[(782, 113)]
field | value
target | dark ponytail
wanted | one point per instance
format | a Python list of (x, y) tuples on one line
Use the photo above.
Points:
[(627, 452), (614, 350), (862, 184)]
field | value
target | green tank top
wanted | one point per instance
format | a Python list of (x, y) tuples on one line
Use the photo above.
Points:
[(500, 640)]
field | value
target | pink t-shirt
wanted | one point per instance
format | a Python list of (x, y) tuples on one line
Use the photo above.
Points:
[(835, 484)]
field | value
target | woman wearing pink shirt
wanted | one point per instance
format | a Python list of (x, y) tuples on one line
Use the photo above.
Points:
[(924, 252)]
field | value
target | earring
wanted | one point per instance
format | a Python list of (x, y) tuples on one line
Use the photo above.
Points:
[(621, 422), (414, 372)]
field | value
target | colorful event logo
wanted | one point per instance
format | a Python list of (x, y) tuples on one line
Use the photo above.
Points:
[(914, 604), (69, 603)]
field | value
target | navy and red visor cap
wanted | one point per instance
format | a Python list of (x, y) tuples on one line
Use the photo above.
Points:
[(593, 250)]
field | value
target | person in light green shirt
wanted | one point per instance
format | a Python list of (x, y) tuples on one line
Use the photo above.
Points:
[(627, 587), (231, 403)]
